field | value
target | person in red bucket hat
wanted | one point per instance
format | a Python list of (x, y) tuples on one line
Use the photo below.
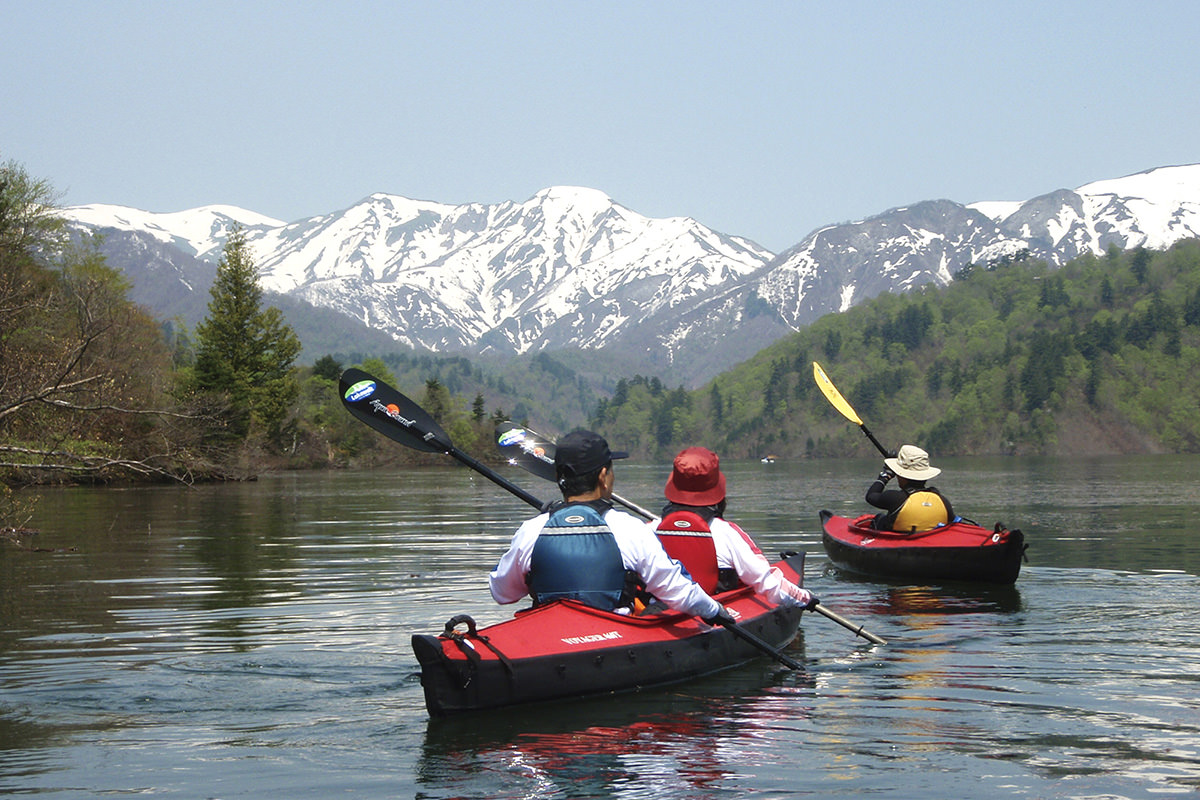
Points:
[(718, 554)]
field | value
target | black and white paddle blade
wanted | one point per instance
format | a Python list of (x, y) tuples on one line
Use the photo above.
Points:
[(391, 413)]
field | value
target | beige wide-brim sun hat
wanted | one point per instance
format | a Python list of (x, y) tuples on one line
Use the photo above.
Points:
[(913, 463)]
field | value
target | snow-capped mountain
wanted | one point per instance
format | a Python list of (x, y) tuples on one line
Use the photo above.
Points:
[(833, 268), (570, 268), (567, 268)]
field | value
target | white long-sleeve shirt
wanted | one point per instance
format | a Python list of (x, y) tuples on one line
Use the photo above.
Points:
[(640, 552)]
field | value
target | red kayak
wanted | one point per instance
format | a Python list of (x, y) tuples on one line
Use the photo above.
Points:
[(961, 551), (569, 649)]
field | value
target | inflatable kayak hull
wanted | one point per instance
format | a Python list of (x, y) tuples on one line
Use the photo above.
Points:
[(958, 552), (566, 649)]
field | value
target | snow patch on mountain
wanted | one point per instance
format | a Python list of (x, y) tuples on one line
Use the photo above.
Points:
[(199, 232)]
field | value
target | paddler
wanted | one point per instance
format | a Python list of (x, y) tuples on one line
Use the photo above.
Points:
[(582, 548), (717, 553), (914, 506)]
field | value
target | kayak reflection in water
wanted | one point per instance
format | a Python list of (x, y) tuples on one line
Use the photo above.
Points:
[(913, 507), (718, 554)]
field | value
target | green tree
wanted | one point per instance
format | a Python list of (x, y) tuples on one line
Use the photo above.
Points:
[(83, 371), (1106, 292), (437, 401), (245, 351), (1139, 264), (377, 367), (328, 368)]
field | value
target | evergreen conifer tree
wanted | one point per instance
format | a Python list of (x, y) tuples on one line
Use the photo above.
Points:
[(244, 350)]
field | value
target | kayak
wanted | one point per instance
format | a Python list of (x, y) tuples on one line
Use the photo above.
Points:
[(567, 649), (960, 551)]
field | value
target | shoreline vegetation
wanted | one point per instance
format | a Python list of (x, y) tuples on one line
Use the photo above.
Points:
[(1100, 356)]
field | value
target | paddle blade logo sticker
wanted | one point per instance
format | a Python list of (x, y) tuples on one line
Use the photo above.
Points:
[(392, 410), (360, 391), (511, 437)]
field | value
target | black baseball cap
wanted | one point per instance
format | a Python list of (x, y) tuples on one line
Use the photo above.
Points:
[(581, 452)]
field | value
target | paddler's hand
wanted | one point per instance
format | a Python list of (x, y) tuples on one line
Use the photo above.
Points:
[(722, 617), (885, 476), (803, 598)]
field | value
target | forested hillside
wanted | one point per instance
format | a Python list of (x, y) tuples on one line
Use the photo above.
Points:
[(1100, 356)]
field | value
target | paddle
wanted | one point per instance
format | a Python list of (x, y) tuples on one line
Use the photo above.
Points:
[(835, 397), (535, 454), (395, 416)]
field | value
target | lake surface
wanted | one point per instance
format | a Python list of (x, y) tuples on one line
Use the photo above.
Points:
[(252, 641)]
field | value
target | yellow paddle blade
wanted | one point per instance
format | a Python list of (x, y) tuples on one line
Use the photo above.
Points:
[(833, 395)]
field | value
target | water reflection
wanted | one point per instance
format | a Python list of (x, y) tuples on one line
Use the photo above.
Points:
[(672, 742), (946, 600)]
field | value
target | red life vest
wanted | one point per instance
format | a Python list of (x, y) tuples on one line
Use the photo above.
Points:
[(687, 538)]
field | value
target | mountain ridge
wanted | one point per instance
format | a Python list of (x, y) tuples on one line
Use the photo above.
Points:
[(570, 269)]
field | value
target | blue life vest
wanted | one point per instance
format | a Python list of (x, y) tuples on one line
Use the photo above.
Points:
[(576, 556)]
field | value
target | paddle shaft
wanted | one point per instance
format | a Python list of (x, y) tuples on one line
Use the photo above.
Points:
[(858, 630), (765, 647), (494, 477), (882, 450)]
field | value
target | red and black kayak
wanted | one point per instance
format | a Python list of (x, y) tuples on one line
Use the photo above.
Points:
[(567, 649), (961, 551)]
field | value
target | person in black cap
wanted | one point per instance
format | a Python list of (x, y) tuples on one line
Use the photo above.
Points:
[(581, 548)]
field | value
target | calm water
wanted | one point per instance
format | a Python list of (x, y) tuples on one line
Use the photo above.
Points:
[(253, 641)]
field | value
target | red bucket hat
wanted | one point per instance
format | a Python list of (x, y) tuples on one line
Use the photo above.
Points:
[(696, 479)]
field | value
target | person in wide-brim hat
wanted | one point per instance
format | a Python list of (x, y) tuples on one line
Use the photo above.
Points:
[(913, 506), (696, 478), (913, 463)]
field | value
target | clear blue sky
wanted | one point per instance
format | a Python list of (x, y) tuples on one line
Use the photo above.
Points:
[(762, 119)]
